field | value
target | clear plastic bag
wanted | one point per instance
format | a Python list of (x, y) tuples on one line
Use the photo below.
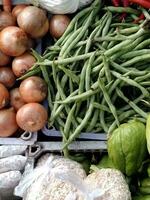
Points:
[(61, 6), (13, 163), (10, 150), (41, 182), (8, 181), (57, 179)]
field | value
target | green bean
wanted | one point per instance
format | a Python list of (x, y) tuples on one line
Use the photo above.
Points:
[(128, 31), (136, 59), (143, 44), (135, 53), (69, 120), (72, 23), (146, 14), (74, 40), (73, 59), (123, 24), (132, 104), (107, 26), (122, 10), (146, 83), (82, 124), (88, 72), (142, 78), (50, 89), (80, 97), (60, 107), (131, 82), (107, 71), (137, 100), (93, 121), (89, 40), (101, 107), (122, 117), (108, 100)]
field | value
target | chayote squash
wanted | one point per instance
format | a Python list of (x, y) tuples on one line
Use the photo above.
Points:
[(127, 147), (148, 133)]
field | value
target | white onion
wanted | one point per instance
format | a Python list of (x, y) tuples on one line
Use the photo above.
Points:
[(61, 6)]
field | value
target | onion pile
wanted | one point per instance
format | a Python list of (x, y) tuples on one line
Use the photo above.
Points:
[(7, 77), (58, 24), (20, 102), (33, 21), (22, 64), (33, 89)]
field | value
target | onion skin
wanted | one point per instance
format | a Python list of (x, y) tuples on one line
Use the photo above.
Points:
[(31, 117), (22, 64), (13, 41), (15, 99), (8, 124), (4, 96), (6, 19), (58, 24), (7, 77), (4, 59), (18, 9), (33, 21), (33, 89)]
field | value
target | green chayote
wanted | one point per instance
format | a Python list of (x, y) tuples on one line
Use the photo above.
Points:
[(127, 147)]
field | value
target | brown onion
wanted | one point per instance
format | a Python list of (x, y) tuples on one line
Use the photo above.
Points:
[(4, 96), (18, 9), (4, 59), (7, 77), (31, 117), (33, 21), (13, 41), (15, 99), (22, 64), (58, 24), (6, 19), (8, 124), (33, 89)]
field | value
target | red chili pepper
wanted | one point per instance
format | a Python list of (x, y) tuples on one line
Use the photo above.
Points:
[(116, 2), (125, 4), (143, 3), (7, 5), (141, 17)]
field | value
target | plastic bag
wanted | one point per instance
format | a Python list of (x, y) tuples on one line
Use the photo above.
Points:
[(61, 6), (13, 163), (8, 181), (41, 182), (10, 150)]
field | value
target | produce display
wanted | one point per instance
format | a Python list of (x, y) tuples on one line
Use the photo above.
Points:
[(90, 77)]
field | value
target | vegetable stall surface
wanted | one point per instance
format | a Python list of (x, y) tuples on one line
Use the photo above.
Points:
[(97, 73)]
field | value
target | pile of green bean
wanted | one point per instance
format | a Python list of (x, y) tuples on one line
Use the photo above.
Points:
[(98, 73)]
